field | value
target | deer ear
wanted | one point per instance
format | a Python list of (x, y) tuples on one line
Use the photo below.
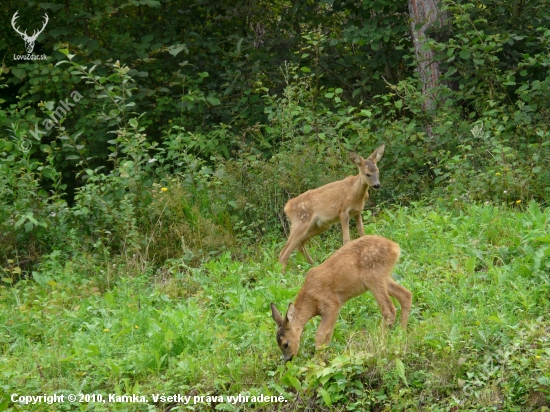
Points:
[(291, 313), (276, 315), (355, 159), (377, 154)]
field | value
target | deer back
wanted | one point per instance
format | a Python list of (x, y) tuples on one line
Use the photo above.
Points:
[(356, 267)]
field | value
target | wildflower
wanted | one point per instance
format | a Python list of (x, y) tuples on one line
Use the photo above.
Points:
[(106, 330), (497, 173), (136, 327), (506, 191), (518, 201), (164, 189), (537, 357)]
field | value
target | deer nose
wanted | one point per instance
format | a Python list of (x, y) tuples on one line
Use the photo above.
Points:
[(377, 186), (289, 359)]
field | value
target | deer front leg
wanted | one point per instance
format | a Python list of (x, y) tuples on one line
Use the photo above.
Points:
[(344, 219), (359, 224), (326, 327)]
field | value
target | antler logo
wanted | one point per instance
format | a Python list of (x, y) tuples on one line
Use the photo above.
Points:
[(29, 40)]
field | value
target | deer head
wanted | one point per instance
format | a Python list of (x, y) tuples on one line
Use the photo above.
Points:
[(367, 167), (288, 333), (29, 40)]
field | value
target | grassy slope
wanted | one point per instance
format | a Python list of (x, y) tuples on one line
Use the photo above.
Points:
[(478, 337)]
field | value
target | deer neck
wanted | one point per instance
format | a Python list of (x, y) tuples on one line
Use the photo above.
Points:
[(360, 185), (306, 308)]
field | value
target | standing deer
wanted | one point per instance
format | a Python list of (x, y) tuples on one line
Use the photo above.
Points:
[(29, 40), (363, 264), (314, 211)]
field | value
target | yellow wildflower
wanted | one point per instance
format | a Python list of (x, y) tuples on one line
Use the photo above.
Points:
[(164, 189), (518, 201)]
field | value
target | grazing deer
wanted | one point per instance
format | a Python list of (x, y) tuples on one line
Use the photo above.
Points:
[(314, 211), (363, 264)]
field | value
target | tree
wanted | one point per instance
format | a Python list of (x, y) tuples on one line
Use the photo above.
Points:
[(424, 15)]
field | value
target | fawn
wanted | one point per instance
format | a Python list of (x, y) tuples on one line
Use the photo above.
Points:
[(314, 211), (363, 264)]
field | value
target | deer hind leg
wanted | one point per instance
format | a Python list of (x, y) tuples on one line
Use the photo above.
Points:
[(404, 296), (312, 231), (298, 236), (381, 295), (302, 249)]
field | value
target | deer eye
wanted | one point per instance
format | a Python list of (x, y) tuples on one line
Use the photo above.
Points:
[(368, 175)]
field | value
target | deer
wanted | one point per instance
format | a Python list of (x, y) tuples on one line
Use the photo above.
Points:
[(315, 211), (363, 264), (29, 40)]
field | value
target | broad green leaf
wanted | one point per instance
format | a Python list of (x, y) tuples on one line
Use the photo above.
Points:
[(401, 370), (177, 48), (19, 73), (109, 298), (295, 382), (20, 221), (326, 396), (470, 265), (465, 54), (38, 278), (133, 122), (214, 101)]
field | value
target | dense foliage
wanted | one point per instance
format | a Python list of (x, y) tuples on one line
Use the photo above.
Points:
[(167, 136)]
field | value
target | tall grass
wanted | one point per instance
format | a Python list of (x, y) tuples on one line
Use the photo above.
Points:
[(478, 337)]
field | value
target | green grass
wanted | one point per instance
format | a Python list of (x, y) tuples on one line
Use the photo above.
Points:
[(478, 337)]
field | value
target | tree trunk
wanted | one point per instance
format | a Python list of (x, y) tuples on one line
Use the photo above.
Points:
[(425, 13)]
